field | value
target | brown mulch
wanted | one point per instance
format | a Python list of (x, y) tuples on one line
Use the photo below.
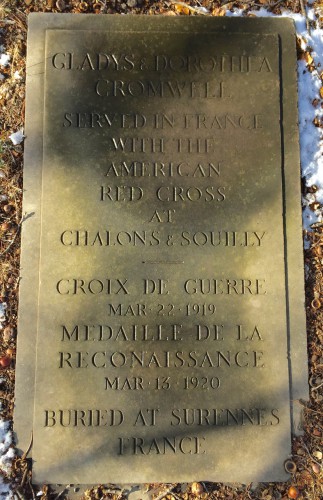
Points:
[(306, 481)]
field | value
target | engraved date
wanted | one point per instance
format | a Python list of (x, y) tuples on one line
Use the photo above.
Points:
[(204, 383), (194, 309)]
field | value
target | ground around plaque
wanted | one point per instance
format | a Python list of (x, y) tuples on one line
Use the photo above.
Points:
[(305, 464)]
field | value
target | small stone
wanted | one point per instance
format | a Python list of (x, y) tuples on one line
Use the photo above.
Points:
[(317, 454), (317, 432), (131, 3), (8, 208), (28, 2), (5, 226), (316, 468), (197, 489), (5, 361), (8, 333)]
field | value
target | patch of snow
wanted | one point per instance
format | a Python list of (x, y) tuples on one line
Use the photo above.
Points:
[(202, 10), (3, 307), (6, 455), (316, 42), (5, 493), (234, 13), (17, 137), (309, 84), (16, 75), (1, 76), (310, 136), (4, 59)]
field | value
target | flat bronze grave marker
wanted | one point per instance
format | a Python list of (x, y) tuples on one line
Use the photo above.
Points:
[(162, 330)]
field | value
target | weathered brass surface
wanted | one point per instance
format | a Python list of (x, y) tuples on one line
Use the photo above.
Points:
[(162, 290)]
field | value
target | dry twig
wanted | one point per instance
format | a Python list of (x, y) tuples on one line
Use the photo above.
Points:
[(308, 27), (31, 489), (20, 495), (24, 456), (310, 455), (272, 7), (14, 237)]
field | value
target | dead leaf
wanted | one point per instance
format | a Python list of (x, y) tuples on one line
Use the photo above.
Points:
[(308, 58), (218, 11), (317, 122), (182, 9), (301, 42)]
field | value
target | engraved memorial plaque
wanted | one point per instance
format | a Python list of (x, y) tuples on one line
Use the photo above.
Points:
[(161, 299)]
